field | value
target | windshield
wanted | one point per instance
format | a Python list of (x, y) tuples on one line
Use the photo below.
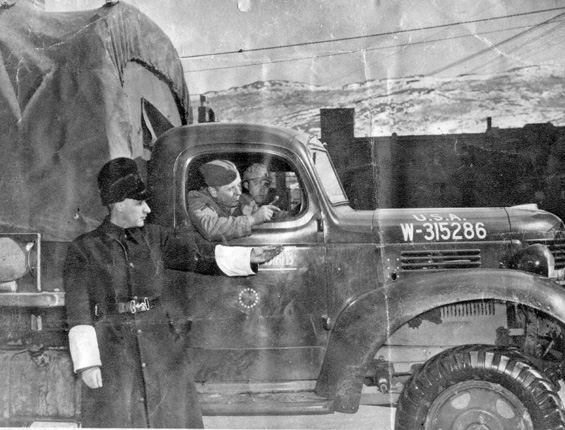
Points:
[(328, 178)]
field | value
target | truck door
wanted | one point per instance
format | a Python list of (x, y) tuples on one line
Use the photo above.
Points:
[(267, 327)]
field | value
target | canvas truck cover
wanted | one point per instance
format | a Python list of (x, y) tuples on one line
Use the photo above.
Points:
[(76, 89)]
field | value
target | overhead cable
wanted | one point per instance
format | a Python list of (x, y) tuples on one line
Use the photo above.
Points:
[(388, 33), (353, 51), (494, 46)]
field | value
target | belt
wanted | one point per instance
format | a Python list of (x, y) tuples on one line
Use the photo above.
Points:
[(132, 306)]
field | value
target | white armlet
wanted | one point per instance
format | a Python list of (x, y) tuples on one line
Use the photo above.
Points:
[(234, 260), (84, 347)]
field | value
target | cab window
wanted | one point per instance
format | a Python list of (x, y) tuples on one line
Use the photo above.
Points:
[(283, 188), (328, 178)]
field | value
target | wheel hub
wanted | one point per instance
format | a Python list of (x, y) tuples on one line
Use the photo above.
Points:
[(478, 405)]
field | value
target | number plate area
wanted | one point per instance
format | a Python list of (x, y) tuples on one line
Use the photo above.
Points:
[(443, 231), (426, 239)]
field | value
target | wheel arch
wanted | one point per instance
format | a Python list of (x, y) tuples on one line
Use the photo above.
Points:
[(365, 323)]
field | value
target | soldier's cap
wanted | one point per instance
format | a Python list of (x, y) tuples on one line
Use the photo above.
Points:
[(257, 171), (218, 173), (119, 179)]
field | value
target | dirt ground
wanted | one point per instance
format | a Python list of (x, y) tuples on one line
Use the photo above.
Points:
[(368, 417)]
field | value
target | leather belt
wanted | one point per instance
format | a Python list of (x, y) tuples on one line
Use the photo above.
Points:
[(132, 306)]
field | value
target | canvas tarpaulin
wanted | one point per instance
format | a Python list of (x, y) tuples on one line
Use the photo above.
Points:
[(72, 90)]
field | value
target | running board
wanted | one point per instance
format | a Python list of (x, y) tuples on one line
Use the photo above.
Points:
[(261, 403)]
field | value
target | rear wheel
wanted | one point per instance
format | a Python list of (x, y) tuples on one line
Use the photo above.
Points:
[(479, 387)]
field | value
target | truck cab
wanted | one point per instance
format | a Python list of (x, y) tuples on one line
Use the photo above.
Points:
[(270, 328)]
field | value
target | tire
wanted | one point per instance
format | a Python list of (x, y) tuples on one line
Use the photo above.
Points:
[(479, 387)]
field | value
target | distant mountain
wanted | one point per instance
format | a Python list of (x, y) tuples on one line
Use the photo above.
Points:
[(416, 105)]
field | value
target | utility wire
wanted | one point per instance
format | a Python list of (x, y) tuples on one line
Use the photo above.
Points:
[(388, 33), (539, 40), (379, 48), (490, 48)]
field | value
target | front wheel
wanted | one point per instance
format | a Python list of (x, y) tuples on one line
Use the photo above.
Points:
[(479, 387)]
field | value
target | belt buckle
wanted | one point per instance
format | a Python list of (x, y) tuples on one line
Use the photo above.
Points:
[(134, 306)]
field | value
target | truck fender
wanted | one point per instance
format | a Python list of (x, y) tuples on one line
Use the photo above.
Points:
[(365, 322)]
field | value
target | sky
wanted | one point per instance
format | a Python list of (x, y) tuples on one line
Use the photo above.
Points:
[(231, 43)]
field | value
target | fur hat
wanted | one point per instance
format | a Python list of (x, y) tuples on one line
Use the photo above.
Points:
[(119, 179), (257, 171), (218, 173)]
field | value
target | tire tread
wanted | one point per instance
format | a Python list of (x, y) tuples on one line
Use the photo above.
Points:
[(507, 367)]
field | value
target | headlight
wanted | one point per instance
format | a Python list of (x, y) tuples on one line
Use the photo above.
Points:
[(535, 259)]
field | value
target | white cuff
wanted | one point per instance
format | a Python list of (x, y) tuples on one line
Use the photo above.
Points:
[(84, 347), (234, 260)]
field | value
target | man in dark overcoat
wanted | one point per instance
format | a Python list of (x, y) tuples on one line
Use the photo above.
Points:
[(124, 345)]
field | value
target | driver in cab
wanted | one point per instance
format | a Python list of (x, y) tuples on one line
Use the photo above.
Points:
[(214, 209)]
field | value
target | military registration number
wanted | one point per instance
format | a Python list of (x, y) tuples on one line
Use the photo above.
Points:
[(443, 229)]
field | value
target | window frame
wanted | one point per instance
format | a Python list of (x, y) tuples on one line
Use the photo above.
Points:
[(257, 153)]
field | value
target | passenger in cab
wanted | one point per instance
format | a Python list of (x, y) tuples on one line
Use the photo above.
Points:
[(214, 209), (258, 192)]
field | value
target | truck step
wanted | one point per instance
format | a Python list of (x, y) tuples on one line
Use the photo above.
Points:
[(261, 403)]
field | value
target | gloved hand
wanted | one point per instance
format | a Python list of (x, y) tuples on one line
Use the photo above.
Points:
[(92, 377)]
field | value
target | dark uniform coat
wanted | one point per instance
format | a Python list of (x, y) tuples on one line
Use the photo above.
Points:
[(146, 376)]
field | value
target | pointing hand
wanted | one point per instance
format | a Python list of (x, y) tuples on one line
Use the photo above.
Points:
[(264, 213), (262, 254)]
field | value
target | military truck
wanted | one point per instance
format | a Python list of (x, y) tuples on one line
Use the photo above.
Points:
[(467, 302), (454, 314)]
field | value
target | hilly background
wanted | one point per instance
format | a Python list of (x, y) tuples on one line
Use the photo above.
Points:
[(416, 105)]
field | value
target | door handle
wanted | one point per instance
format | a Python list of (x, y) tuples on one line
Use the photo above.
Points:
[(320, 224)]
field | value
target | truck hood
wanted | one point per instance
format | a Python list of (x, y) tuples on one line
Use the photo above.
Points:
[(463, 224), (528, 219)]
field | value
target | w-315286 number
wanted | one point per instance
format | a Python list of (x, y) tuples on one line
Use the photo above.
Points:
[(445, 230)]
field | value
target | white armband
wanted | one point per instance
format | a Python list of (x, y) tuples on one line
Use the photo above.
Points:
[(84, 347), (234, 260)]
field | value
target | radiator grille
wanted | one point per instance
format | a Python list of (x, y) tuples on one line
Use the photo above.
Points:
[(557, 248), (470, 309), (440, 259)]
